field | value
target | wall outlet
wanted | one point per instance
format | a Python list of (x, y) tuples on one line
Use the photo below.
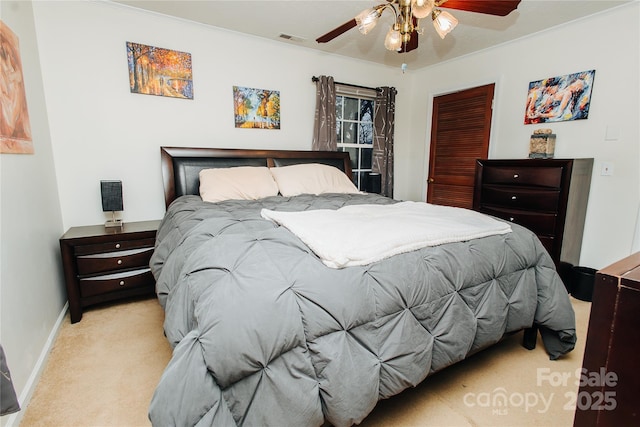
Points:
[(607, 169)]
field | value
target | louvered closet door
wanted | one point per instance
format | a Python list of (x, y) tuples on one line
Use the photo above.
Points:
[(460, 132)]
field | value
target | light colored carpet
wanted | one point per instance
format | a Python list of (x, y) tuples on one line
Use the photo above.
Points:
[(102, 372)]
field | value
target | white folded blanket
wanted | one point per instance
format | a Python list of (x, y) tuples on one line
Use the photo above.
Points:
[(362, 234)]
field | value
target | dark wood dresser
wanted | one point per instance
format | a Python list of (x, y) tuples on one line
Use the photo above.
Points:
[(547, 196), (106, 264), (610, 378)]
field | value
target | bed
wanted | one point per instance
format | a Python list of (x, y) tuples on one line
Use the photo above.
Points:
[(267, 333)]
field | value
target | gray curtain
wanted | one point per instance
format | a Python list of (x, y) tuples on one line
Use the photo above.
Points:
[(383, 128), (324, 129), (8, 400)]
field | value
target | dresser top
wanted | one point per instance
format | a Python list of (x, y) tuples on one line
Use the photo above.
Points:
[(537, 162), (101, 230), (627, 270)]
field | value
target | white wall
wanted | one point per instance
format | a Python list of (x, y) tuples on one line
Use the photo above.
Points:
[(608, 43), (31, 287), (102, 131)]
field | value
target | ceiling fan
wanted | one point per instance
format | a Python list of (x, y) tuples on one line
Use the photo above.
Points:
[(403, 34)]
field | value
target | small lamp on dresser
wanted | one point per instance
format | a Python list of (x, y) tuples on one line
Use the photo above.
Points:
[(111, 192)]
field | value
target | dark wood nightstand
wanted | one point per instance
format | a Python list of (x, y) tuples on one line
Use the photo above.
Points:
[(105, 264)]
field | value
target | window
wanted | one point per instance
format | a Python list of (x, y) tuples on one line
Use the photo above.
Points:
[(354, 127)]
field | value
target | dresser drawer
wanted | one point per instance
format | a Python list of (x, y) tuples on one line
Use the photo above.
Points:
[(547, 242), (522, 175), (516, 197), (122, 260), (116, 245), (540, 223), (97, 285)]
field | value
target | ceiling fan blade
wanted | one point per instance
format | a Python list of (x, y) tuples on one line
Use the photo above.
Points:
[(337, 31), (490, 7)]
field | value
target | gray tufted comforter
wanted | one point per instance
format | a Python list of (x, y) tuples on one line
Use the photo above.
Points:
[(267, 335)]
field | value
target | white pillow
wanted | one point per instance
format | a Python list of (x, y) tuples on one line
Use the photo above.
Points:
[(311, 178), (237, 183)]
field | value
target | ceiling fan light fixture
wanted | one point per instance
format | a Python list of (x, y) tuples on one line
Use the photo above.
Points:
[(443, 22), (393, 40), (422, 8), (408, 14), (367, 19)]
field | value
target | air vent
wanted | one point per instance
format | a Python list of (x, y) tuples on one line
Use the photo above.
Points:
[(291, 38)]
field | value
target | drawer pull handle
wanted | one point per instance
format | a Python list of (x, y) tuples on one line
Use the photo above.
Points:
[(121, 282), (117, 245), (515, 175), (511, 219), (119, 261), (514, 197)]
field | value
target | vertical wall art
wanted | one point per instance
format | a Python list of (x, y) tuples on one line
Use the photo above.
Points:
[(256, 108), (158, 71), (15, 130), (559, 99)]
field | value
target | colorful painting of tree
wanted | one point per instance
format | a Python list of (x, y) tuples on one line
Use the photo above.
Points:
[(256, 108), (158, 71)]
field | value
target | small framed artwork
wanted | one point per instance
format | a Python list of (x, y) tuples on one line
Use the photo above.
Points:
[(256, 108), (15, 129), (158, 71), (558, 99)]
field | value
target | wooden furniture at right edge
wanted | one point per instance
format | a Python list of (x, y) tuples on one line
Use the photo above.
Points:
[(547, 196), (610, 378)]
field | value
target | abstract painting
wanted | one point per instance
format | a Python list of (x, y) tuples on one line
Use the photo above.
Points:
[(158, 71), (15, 130), (558, 99), (256, 108)]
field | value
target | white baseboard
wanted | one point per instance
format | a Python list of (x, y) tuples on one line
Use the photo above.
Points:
[(14, 419)]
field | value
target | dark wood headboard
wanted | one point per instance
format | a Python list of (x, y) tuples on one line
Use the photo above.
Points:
[(181, 166)]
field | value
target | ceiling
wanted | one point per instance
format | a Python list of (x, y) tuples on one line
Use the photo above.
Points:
[(304, 21)]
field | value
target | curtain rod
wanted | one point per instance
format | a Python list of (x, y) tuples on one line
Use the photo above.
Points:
[(315, 79)]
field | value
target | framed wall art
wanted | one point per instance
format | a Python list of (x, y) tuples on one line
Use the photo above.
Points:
[(558, 99), (256, 108), (15, 129), (158, 71)]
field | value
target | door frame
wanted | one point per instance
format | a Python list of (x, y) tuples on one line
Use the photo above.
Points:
[(497, 81)]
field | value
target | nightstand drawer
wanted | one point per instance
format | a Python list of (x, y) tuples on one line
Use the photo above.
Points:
[(122, 260), (116, 245), (540, 177), (539, 223), (115, 282), (515, 197)]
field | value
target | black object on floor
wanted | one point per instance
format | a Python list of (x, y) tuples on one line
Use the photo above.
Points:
[(582, 284)]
